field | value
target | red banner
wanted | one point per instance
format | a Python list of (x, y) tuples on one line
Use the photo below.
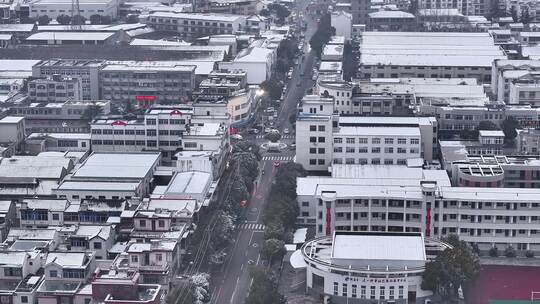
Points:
[(175, 112), (145, 98), (328, 222), (119, 123), (428, 221)]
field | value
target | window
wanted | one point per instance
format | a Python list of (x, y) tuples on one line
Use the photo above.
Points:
[(375, 141), (362, 141), (372, 292), (389, 141), (161, 223), (362, 292), (349, 149), (142, 223), (353, 291), (312, 150), (389, 150), (391, 295), (336, 286), (402, 141), (53, 273), (401, 150), (313, 128), (350, 140), (320, 161), (338, 140), (55, 216), (377, 150), (344, 290), (321, 128), (321, 139), (400, 292), (134, 258), (382, 293), (24, 299), (312, 139), (159, 257), (415, 141), (338, 149), (312, 161), (321, 151)]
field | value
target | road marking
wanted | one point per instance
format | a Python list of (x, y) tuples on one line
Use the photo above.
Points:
[(278, 157), (234, 291), (251, 226)]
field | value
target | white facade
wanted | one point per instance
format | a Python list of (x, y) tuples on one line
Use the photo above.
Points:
[(504, 71), (257, 62), (342, 22), (195, 24), (55, 8), (323, 138)]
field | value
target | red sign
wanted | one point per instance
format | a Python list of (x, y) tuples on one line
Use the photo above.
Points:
[(175, 112), (119, 123), (232, 131), (145, 98)]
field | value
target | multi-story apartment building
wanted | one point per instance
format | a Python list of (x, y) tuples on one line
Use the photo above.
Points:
[(466, 7), (524, 89), (54, 8), (360, 10), (505, 71), (86, 71), (161, 130), (223, 83), (401, 202), (236, 7), (161, 82), (54, 89), (324, 138), (528, 141), (67, 117), (428, 55), (195, 24)]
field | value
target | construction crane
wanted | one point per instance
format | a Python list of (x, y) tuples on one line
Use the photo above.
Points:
[(76, 19)]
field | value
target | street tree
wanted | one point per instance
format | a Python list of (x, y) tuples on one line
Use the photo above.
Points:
[(525, 15), (247, 146), (264, 12), (200, 288), (451, 269), (413, 7), (264, 289), (322, 35), (514, 13), (63, 19), (274, 230), (43, 20), (223, 231), (509, 126), (272, 249), (106, 20), (494, 252), (510, 252), (272, 87), (280, 11)]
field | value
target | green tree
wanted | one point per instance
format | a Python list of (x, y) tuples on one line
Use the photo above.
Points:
[(525, 15), (63, 19), (273, 136), (272, 249), (247, 146), (323, 34), (106, 20), (248, 167), (223, 229), (413, 7), (514, 13), (95, 19), (91, 112), (132, 19), (292, 118), (200, 288), (272, 87), (43, 20), (264, 12), (280, 11), (509, 126), (510, 252), (264, 289), (494, 252), (78, 20), (452, 268)]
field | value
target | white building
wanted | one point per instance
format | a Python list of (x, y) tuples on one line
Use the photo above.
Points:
[(342, 22), (363, 267), (40, 213), (505, 71), (324, 138), (36, 143), (428, 55), (256, 61), (54, 89), (399, 200), (55, 8), (196, 24), (12, 131)]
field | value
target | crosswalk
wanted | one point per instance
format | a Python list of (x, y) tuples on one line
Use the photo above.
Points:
[(277, 157), (251, 226), (287, 136)]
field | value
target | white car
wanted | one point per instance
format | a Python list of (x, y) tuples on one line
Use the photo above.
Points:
[(286, 131)]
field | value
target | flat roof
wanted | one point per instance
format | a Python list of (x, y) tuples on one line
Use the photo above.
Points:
[(70, 36), (386, 120), (69, 259), (11, 119), (378, 247), (196, 16), (191, 182), (117, 165), (391, 14), (70, 185), (148, 66), (497, 133)]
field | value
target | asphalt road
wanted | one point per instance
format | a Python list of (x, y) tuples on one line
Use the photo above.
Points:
[(232, 282)]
